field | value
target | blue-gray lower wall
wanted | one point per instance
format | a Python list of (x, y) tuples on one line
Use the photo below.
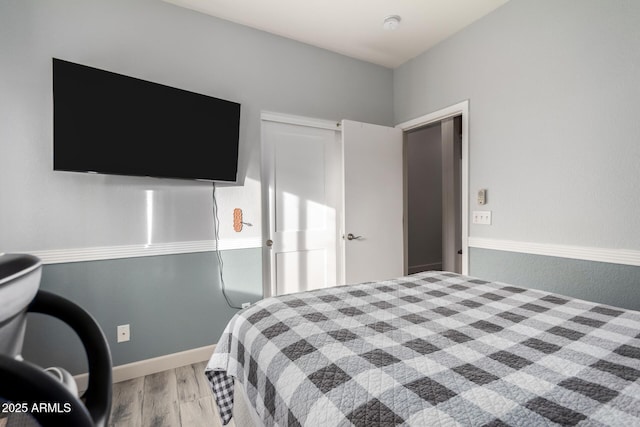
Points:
[(613, 284), (172, 302)]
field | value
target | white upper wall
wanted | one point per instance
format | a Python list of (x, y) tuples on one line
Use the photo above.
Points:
[(42, 210), (554, 88)]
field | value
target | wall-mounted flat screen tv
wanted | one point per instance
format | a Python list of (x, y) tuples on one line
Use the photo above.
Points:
[(108, 123)]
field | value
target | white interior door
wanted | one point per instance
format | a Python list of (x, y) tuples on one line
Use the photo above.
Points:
[(301, 172), (373, 202)]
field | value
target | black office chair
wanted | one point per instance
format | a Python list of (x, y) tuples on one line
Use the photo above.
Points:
[(23, 385)]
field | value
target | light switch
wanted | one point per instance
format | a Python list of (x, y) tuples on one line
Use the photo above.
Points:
[(482, 217)]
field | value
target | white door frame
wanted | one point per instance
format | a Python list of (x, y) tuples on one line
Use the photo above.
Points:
[(268, 284), (459, 109)]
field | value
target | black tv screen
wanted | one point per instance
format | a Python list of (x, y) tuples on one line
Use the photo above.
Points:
[(108, 123)]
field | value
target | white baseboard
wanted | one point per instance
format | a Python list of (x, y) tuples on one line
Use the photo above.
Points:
[(613, 256), (152, 366)]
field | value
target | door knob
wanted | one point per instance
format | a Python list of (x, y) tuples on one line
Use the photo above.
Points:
[(350, 236), (269, 243)]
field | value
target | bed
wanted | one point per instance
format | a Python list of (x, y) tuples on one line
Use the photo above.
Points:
[(430, 349)]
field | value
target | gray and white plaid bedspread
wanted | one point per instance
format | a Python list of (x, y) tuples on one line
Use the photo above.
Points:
[(431, 349)]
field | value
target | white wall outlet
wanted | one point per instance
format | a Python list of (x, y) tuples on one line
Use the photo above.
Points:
[(482, 217), (124, 333)]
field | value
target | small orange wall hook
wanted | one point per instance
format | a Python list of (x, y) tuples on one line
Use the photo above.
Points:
[(237, 220)]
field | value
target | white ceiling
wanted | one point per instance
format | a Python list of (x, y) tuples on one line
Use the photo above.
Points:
[(353, 27)]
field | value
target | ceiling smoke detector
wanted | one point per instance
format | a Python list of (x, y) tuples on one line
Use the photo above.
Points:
[(391, 22)]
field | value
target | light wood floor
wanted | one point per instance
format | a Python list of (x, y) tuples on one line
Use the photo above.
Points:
[(173, 398)]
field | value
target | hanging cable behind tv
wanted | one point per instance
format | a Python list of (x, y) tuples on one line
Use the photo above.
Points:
[(216, 236)]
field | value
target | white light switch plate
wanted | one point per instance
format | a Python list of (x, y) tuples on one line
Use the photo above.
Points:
[(482, 217)]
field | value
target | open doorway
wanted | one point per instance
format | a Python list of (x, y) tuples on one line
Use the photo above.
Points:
[(436, 190), (433, 180), (423, 169)]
